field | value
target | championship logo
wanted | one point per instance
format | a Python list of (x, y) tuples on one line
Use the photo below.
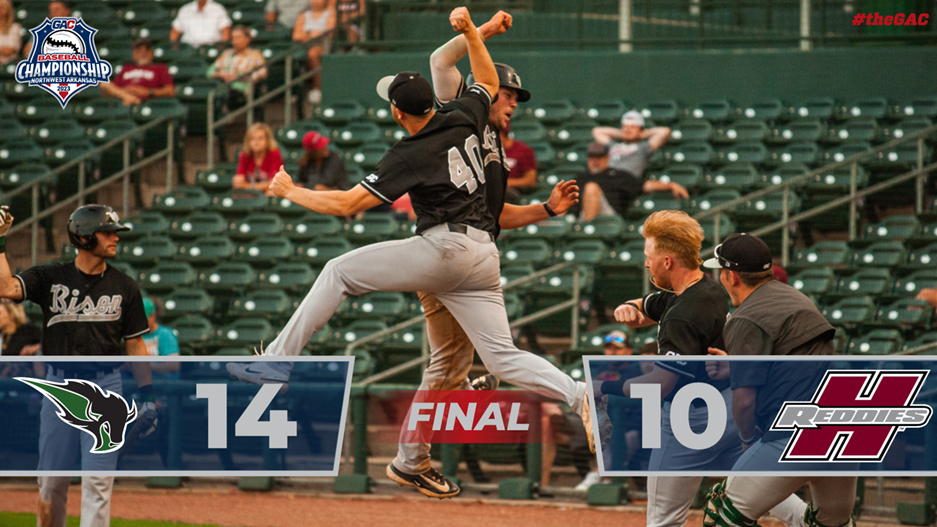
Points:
[(853, 416), (64, 60), (102, 414)]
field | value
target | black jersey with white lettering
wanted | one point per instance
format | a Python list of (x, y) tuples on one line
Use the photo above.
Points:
[(441, 167), (84, 314)]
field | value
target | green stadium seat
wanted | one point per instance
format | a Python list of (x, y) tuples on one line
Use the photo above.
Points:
[(153, 109), (170, 52), (805, 153), (528, 130), (368, 155), (393, 133), (145, 223), (687, 174), (255, 225), (717, 110), (533, 251), (643, 337), (208, 250), (691, 130), (510, 273), (194, 94), (726, 227), (356, 133), (868, 108), (16, 92), (853, 310), (711, 199), (649, 203), (381, 115), (582, 251), (927, 233), (566, 172), (747, 152), (738, 176), (245, 332), (182, 200), (513, 305), (284, 207), (13, 130), (912, 284), (386, 306), (893, 228), (68, 253), (800, 130), (826, 254), (538, 197), (768, 207), (555, 112), (664, 111), (553, 228), (21, 174), (358, 329), (578, 130), (147, 250), (750, 130), (875, 342), (269, 304), (355, 174), (905, 127), (925, 106), (559, 282), (844, 151), (156, 33), (866, 130), (292, 136), (265, 250), (238, 201), (546, 156), (227, 276), (198, 224), (144, 12), (924, 257), (593, 342), (187, 301), (93, 10), (880, 254), (217, 180), (922, 340), (167, 276), (311, 226), (576, 153), (372, 227), (816, 281), (193, 331), (406, 230), (321, 250), (106, 131), (689, 152), (905, 313), (340, 113), (608, 228), (629, 255), (871, 282), (295, 277), (608, 112), (66, 151), (901, 156), (185, 70), (7, 110), (837, 181), (125, 268), (37, 111), (271, 33), (55, 131), (819, 108), (98, 110), (251, 14)]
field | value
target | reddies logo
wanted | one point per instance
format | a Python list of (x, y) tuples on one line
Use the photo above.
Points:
[(853, 416)]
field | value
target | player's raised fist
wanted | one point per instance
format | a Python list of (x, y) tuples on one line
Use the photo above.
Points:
[(282, 184), (6, 220), (501, 22), (461, 20), (629, 314)]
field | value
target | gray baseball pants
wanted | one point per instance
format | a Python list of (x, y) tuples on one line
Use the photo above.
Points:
[(60, 446), (463, 272)]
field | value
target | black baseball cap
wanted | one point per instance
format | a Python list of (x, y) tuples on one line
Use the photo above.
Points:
[(409, 92), (143, 41), (742, 253), (596, 149)]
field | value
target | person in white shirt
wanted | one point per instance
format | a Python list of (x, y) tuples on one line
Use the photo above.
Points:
[(200, 23)]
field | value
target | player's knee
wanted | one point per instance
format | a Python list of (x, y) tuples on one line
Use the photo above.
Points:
[(719, 511)]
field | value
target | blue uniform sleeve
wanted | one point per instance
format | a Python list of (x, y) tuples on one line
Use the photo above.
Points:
[(392, 178), (475, 103)]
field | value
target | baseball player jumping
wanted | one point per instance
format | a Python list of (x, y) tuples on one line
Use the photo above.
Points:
[(453, 255), (88, 307), (772, 318)]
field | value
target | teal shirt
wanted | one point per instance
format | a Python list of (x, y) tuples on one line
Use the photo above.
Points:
[(162, 342)]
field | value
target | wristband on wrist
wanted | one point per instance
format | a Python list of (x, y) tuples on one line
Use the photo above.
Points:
[(636, 306), (749, 440), (3, 244), (549, 210)]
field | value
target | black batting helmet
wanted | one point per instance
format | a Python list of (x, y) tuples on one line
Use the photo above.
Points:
[(507, 78), (87, 220)]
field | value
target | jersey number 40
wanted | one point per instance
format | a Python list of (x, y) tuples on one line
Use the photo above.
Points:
[(459, 171)]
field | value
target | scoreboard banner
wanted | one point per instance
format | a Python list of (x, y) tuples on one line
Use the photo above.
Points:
[(85, 415), (809, 415)]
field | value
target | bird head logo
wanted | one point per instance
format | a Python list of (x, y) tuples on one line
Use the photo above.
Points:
[(84, 405)]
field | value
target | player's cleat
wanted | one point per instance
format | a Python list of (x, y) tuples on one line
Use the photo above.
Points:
[(586, 414), (431, 483), (720, 512), (810, 519), (485, 382), (259, 373)]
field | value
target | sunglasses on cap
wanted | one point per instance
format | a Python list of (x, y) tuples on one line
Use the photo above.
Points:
[(614, 338)]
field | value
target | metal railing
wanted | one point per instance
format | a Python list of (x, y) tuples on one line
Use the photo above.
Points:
[(787, 220), (34, 187)]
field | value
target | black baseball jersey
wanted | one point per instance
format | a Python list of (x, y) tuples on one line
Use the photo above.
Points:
[(84, 314), (441, 167), (689, 324)]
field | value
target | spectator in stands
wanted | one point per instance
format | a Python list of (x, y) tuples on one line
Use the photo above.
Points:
[(630, 146), (57, 9), (315, 21), (18, 337), (779, 273), (607, 191), (520, 159), (259, 160), (930, 295), (349, 10), (320, 168), (285, 11), (160, 341), (141, 79), (201, 23), (11, 37), (237, 61)]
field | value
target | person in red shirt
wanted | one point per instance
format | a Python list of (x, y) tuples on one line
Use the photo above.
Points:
[(259, 160), (521, 160), (141, 79)]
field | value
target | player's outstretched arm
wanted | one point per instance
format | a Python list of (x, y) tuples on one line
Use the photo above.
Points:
[(631, 314), (446, 77), (666, 379), (565, 194), (331, 202), (10, 287), (483, 69), (743, 410)]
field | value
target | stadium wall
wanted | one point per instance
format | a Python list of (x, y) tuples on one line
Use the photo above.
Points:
[(690, 77)]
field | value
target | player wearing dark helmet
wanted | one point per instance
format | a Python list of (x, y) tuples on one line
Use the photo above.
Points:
[(88, 308)]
